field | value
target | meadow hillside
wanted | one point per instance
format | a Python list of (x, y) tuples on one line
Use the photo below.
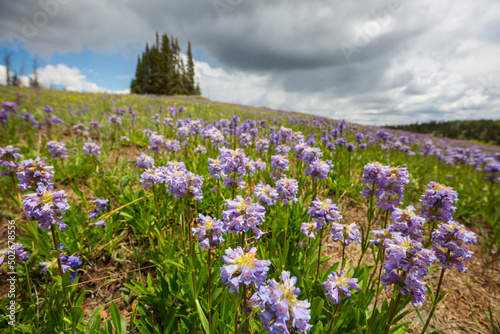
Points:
[(171, 214)]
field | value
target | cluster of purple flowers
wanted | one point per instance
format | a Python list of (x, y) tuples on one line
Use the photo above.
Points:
[(144, 161), (242, 215), (155, 143), (407, 222), (57, 149), (406, 263), (262, 145), (173, 145), (287, 189), (280, 307), (91, 148), (438, 202), (234, 164), (337, 286), (452, 238), (102, 204), (215, 168), (46, 206), (266, 194), (183, 183), (386, 183), (243, 267), (152, 176), (200, 149), (319, 169), (114, 119), (346, 233), (325, 210), (209, 232), (8, 157), (15, 250), (34, 172), (70, 263)]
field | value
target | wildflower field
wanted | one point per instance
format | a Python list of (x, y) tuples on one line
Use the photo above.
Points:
[(145, 214)]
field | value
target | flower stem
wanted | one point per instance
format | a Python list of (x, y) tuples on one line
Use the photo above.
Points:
[(57, 249), (434, 304), (157, 209), (190, 240), (337, 307), (393, 313), (209, 290), (377, 294), (319, 257)]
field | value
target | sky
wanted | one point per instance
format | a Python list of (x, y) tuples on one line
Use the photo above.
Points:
[(372, 62)]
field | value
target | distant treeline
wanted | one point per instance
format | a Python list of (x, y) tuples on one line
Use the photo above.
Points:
[(484, 130), (161, 70)]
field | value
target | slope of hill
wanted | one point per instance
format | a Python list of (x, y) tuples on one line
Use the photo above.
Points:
[(483, 130)]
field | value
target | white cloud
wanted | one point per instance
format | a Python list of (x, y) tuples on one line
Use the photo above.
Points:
[(61, 75)]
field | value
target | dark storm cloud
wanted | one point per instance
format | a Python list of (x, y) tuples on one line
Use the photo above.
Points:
[(392, 57)]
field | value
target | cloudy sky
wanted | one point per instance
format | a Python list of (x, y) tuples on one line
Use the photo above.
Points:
[(366, 61)]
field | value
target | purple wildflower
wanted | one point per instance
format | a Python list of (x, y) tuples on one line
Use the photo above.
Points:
[(287, 189), (34, 172), (209, 232), (338, 286), (13, 251), (438, 202), (244, 268), (57, 149), (324, 209), (46, 206), (453, 238), (319, 169), (405, 265), (91, 148), (346, 233), (144, 161), (242, 215), (266, 194), (280, 307), (407, 222)]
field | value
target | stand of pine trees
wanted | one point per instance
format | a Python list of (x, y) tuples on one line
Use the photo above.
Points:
[(161, 70)]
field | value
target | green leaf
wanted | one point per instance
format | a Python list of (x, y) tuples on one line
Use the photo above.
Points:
[(203, 318), (116, 319)]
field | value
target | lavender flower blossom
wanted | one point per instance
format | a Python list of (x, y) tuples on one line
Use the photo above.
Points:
[(91, 148), (13, 251), (438, 202), (280, 307), (244, 268), (57, 149), (200, 149), (183, 183), (346, 233), (215, 168), (102, 204), (210, 231), (242, 215), (152, 176), (34, 172), (266, 194), (324, 209), (405, 265), (8, 157), (453, 238), (407, 222), (338, 286), (46, 206), (144, 161), (319, 169), (287, 189)]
